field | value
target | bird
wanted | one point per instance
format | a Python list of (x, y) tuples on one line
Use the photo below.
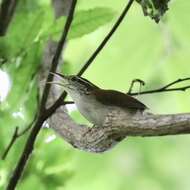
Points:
[(95, 103)]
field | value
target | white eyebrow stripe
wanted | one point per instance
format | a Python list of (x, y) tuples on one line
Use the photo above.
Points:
[(85, 81)]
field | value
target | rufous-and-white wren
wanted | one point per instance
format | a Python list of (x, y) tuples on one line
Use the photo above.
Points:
[(95, 103)]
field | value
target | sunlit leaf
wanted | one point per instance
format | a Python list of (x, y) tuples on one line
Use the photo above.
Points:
[(85, 22), (88, 21)]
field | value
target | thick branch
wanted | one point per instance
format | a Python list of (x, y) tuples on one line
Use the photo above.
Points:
[(100, 139)]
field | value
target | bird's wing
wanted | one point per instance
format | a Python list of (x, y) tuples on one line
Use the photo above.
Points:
[(116, 98)]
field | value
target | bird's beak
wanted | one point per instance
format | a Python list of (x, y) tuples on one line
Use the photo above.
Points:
[(63, 80)]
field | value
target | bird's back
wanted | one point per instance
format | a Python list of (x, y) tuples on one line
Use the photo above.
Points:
[(116, 98)]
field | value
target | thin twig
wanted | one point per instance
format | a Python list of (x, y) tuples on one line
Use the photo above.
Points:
[(13, 139), (164, 88), (15, 136), (106, 39), (42, 114), (176, 81), (141, 82), (59, 101), (160, 90)]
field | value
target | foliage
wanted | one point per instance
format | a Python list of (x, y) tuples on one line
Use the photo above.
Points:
[(157, 54), (85, 22)]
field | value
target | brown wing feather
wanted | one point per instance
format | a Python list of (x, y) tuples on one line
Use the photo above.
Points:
[(117, 98)]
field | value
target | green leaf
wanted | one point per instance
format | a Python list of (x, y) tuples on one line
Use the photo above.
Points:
[(22, 33), (88, 21), (85, 22)]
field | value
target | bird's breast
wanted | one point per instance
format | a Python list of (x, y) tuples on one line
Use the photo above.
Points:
[(92, 111)]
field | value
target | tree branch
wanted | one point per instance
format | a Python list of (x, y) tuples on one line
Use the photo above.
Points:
[(7, 10), (100, 139), (42, 114), (13, 139), (17, 135), (166, 88)]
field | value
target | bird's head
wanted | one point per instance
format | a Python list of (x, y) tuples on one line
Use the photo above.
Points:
[(74, 84)]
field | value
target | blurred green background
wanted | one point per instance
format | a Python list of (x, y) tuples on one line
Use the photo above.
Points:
[(155, 53)]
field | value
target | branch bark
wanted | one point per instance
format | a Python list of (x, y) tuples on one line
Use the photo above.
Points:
[(100, 139)]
